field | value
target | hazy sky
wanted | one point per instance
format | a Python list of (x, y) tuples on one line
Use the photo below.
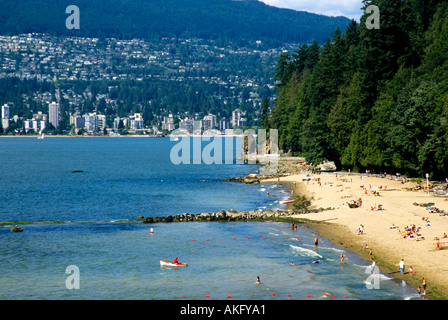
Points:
[(347, 8)]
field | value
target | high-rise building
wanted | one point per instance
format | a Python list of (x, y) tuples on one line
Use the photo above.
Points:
[(53, 113), (101, 121), (117, 121), (236, 116), (212, 121), (137, 121), (5, 116), (91, 122), (5, 111), (224, 124)]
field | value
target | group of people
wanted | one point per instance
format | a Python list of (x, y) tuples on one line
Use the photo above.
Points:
[(355, 203), (412, 232), (377, 208)]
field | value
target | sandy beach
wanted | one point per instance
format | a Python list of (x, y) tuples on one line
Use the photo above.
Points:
[(384, 231)]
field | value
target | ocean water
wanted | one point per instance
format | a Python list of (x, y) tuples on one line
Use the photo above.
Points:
[(88, 219)]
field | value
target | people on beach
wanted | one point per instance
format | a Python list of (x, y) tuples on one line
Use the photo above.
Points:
[(360, 229), (370, 254), (411, 271), (419, 291), (372, 266), (424, 285), (402, 266), (412, 232)]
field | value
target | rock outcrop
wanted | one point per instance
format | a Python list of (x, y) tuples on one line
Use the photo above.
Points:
[(16, 229)]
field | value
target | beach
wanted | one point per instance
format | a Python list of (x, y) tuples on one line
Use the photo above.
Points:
[(384, 231)]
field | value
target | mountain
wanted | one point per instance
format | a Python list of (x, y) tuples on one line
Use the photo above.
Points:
[(222, 20)]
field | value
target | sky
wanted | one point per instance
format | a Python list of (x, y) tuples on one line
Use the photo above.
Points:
[(347, 8)]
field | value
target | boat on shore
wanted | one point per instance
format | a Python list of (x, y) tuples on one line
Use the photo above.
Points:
[(286, 201), (172, 264)]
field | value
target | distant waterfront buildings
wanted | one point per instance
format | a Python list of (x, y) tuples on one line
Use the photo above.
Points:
[(237, 119), (187, 124), (53, 113), (94, 122), (134, 122), (168, 123), (36, 125), (77, 121)]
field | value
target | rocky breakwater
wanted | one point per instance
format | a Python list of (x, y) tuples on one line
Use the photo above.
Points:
[(230, 215)]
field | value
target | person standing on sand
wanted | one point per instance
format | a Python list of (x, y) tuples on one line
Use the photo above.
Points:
[(402, 266), (372, 267), (360, 229), (370, 254), (424, 285)]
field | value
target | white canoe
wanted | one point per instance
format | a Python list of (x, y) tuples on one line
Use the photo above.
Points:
[(171, 264)]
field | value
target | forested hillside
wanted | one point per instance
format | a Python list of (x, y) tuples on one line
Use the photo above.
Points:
[(223, 20), (371, 98)]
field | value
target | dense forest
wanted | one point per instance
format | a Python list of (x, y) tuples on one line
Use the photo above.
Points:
[(372, 99), (222, 20)]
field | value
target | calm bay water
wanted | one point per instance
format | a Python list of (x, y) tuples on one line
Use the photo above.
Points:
[(118, 258)]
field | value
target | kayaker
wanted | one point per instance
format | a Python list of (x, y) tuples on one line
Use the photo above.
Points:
[(176, 261)]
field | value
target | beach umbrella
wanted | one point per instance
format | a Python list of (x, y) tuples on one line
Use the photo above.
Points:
[(375, 189)]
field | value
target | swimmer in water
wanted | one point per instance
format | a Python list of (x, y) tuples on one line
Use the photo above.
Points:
[(258, 279)]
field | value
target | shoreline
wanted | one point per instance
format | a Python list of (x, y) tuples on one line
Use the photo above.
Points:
[(121, 136), (335, 221)]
